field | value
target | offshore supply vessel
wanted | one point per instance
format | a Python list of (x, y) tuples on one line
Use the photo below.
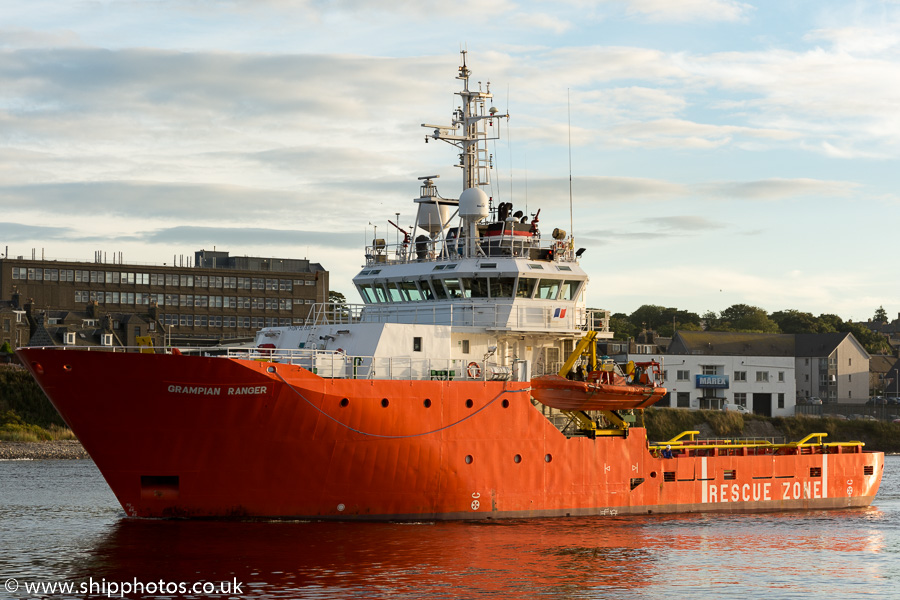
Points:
[(465, 386)]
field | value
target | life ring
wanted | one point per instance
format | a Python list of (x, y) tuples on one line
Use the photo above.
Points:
[(474, 370)]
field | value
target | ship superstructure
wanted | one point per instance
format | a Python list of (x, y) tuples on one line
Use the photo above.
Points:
[(475, 291)]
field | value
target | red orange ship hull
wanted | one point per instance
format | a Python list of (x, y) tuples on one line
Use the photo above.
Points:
[(185, 436)]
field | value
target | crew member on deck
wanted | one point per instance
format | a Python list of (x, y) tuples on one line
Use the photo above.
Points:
[(667, 453)]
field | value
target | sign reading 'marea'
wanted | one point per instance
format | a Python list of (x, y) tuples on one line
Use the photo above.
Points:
[(712, 381)]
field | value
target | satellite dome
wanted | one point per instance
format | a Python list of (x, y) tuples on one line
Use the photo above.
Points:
[(473, 204)]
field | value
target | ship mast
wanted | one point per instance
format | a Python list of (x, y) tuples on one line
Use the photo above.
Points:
[(472, 127)]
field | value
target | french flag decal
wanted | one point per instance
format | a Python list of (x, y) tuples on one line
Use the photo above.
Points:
[(559, 313)]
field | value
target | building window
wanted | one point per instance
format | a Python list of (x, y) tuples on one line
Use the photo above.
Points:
[(683, 375), (740, 375), (684, 400), (740, 399), (709, 369), (310, 282), (762, 376), (780, 400), (849, 362), (465, 346), (106, 339), (70, 338), (780, 375), (417, 344)]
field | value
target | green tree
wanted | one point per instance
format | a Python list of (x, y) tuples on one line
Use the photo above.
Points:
[(648, 316), (873, 342), (622, 327), (795, 321), (881, 315), (336, 297), (742, 317), (829, 323)]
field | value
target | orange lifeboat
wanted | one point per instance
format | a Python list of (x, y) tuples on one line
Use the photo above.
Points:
[(601, 390)]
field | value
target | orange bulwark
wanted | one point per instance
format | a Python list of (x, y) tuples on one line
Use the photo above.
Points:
[(224, 437)]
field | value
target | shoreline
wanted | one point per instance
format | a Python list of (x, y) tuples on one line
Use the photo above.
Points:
[(52, 450)]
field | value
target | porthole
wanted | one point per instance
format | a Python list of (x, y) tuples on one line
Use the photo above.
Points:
[(427, 403), (469, 459), (652, 473), (271, 369), (517, 458), (548, 457), (67, 367), (505, 403), (345, 401), (385, 402), (469, 403)]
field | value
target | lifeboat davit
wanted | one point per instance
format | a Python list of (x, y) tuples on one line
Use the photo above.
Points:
[(601, 390)]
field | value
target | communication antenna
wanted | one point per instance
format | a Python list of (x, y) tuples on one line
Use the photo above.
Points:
[(571, 217)]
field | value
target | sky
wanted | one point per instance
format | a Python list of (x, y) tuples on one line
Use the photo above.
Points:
[(722, 151)]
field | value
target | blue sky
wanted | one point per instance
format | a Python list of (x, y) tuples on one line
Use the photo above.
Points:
[(723, 152)]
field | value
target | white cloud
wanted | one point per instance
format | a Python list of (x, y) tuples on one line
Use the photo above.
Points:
[(689, 10)]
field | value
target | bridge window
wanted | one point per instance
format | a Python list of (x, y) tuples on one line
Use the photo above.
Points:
[(502, 287), (526, 287), (548, 289), (569, 290), (409, 290), (394, 293), (454, 290), (476, 287), (427, 292), (439, 292)]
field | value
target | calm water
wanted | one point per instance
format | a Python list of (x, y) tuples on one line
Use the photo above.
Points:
[(60, 523)]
